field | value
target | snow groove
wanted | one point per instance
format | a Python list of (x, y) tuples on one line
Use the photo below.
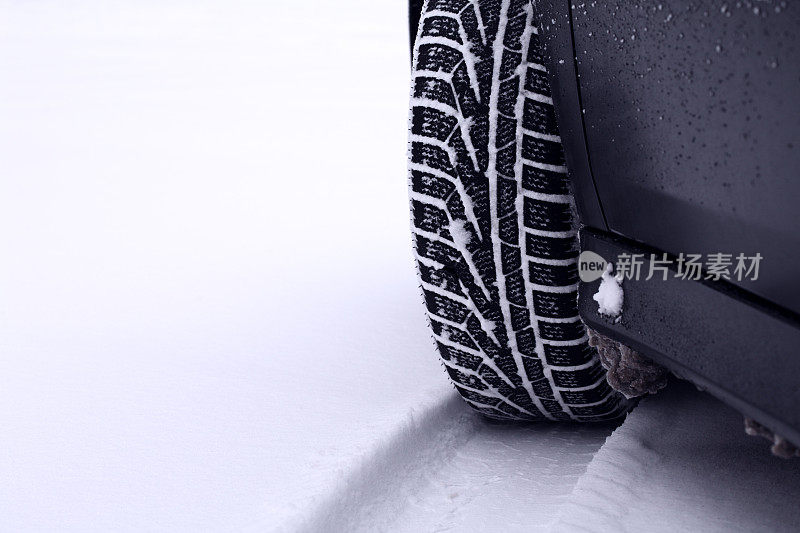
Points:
[(492, 217), (369, 497), (681, 462)]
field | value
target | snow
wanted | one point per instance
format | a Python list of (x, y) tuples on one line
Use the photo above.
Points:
[(682, 462), (511, 477), (210, 317), (609, 295), (460, 233)]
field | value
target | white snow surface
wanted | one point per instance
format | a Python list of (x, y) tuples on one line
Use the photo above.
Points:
[(504, 478), (682, 462), (209, 314), (609, 295), (210, 318)]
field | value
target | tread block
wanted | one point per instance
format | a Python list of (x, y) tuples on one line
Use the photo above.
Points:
[(551, 247), (506, 197), (515, 288), (461, 358), (552, 275), (508, 69), (432, 123), (454, 334), (506, 133), (542, 388), (533, 368), (514, 28), (611, 404), (544, 181), (526, 343), (547, 216), (467, 100), (510, 258), (593, 395), (555, 304), (535, 52), (435, 89), (538, 116), (576, 354), (469, 380), (449, 6), (535, 149), (436, 250), (438, 58), (445, 307), (428, 217), (438, 26), (430, 185), (431, 156), (561, 330), (444, 278), (509, 228), (520, 317), (477, 397), (578, 378), (536, 81)]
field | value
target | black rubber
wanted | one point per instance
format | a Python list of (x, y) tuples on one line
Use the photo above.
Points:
[(492, 216)]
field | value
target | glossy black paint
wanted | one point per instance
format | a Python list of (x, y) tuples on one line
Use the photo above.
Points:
[(692, 122)]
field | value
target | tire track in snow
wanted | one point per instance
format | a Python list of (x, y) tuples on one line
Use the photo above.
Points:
[(448, 468), (507, 477), (681, 462), (369, 497)]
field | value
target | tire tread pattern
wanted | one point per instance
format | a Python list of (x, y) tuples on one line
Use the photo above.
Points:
[(492, 217)]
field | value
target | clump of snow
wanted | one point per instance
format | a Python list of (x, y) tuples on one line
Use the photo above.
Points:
[(609, 296), (629, 372), (780, 446), (460, 233)]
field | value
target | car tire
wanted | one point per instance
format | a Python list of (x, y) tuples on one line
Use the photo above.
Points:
[(493, 218)]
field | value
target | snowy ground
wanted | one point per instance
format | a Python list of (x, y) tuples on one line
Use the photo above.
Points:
[(209, 318)]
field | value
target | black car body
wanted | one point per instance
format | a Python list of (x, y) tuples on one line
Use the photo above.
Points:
[(680, 122)]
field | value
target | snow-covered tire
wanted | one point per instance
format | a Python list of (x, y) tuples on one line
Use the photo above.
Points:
[(492, 218)]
